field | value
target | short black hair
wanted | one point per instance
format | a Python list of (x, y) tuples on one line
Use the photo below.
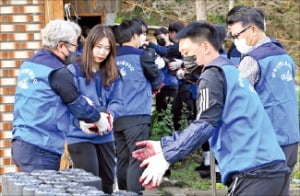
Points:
[(85, 31), (142, 23), (176, 26), (246, 16), (200, 31), (127, 29), (221, 34), (161, 30), (114, 29), (261, 12)]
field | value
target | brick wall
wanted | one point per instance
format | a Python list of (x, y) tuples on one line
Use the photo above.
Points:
[(20, 25)]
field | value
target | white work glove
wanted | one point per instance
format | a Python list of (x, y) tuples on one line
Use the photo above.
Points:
[(157, 165), (150, 148), (88, 127), (105, 124), (160, 62), (176, 64), (180, 73)]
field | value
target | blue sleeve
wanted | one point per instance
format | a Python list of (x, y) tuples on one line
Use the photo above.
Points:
[(115, 101), (161, 50), (181, 143), (84, 111)]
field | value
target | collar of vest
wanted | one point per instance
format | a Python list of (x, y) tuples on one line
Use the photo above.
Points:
[(266, 50), (218, 62), (124, 50), (48, 58)]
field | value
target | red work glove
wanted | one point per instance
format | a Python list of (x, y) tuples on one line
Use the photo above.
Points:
[(150, 148)]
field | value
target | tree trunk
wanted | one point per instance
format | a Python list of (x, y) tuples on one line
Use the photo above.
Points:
[(201, 10), (231, 4)]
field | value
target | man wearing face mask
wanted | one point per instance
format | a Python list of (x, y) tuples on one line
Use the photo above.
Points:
[(230, 116), (271, 71), (45, 96), (134, 122), (150, 69), (162, 36), (233, 54)]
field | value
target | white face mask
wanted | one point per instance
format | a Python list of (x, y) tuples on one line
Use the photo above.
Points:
[(241, 45)]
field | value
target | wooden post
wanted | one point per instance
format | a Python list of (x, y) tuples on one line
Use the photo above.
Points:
[(54, 9), (231, 4), (201, 10), (213, 174)]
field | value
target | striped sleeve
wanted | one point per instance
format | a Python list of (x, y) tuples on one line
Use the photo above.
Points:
[(203, 101), (211, 98)]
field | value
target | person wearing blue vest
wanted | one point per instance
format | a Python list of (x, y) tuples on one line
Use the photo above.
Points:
[(134, 122), (233, 54), (97, 77), (272, 73), (231, 116), (45, 97)]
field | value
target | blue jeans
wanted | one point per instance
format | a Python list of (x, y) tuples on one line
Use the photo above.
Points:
[(29, 157)]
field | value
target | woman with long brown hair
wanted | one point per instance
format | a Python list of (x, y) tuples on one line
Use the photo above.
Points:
[(92, 146)]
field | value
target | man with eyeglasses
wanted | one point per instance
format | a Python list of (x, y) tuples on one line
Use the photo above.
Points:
[(271, 71), (230, 115), (45, 96)]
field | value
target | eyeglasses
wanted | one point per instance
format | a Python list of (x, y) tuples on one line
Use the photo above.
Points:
[(70, 43), (238, 34)]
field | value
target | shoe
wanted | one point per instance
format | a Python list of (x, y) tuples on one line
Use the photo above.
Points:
[(218, 177), (203, 170), (167, 173)]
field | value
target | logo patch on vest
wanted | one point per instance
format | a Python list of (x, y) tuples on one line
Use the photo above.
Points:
[(26, 76), (283, 71), (125, 66)]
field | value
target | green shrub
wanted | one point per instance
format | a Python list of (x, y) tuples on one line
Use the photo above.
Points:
[(162, 123), (185, 113)]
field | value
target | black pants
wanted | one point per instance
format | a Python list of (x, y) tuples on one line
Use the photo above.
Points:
[(268, 180), (184, 97), (128, 170), (291, 154), (98, 159), (162, 97)]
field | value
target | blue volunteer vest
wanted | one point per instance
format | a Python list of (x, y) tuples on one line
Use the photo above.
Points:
[(245, 139), (136, 89), (105, 99), (40, 116), (235, 56), (276, 89)]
